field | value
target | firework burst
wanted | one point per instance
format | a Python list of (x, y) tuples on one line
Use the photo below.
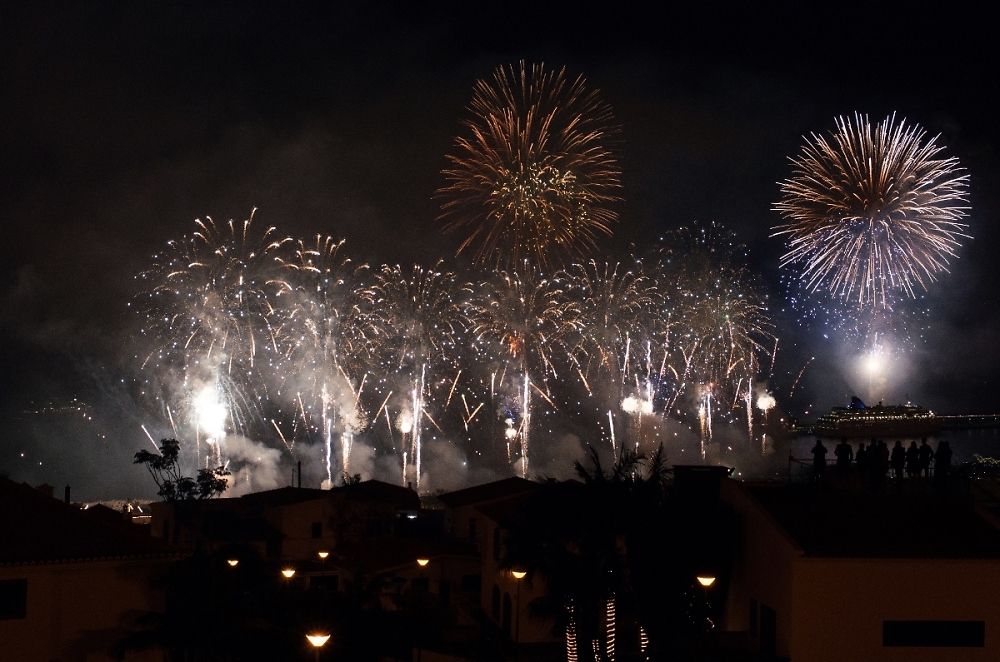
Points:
[(521, 320), (873, 212), (534, 175), (209, 310), (714, 328), (417, 326), (326, 342)]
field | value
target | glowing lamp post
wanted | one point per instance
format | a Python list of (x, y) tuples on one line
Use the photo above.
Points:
[(318, 641), (323, 555), (288, 573), (423, 562), (233, 562), (518, 575)]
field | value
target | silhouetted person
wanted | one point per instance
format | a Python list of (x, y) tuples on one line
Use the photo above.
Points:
[(878, 462), (913, 460), (942, 462), (819, 459), (898, 460), (844, 454), (924, 455), (861, 459)]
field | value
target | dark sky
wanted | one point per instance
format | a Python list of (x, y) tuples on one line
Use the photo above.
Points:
[(122, 122)]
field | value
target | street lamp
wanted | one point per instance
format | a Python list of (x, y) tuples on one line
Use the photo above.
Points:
[(318, 641), (233, 562), (323, 555), (288, 573), (423, 562), (706, 581), (518, 576)]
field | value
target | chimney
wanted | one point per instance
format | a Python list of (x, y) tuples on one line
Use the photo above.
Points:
[(300, 473), (66, 495)]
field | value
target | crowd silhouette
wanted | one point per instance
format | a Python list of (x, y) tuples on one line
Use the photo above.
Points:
[(875, 463)]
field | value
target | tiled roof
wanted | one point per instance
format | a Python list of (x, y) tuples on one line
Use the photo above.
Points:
[(487, 492), (35, 528)]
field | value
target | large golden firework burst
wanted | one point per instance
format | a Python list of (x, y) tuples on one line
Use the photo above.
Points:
[(873, 211), (535, 174)]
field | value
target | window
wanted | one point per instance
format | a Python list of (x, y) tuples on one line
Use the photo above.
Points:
[(495, 607), (13, 599), (317, 529), (966, 634)]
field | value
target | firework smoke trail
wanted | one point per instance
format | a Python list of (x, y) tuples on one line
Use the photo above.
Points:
[(872, 213), (520, 319), (534, 174)]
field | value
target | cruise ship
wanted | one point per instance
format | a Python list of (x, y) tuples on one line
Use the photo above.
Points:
[(884, 421)]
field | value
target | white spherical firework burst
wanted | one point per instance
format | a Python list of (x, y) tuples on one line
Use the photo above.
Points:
[(873, 212)]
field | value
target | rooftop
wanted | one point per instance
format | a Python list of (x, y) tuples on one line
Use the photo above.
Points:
[(35, 528), (487, 492), (828, 522)]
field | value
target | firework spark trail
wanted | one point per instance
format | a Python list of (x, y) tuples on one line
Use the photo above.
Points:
[(611, 424), (525, 425), (281, 436), (452, 390), (872, 212), (150, 437), (534, 175), (796, 382)]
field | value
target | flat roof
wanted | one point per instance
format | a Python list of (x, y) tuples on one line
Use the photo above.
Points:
[(838, 523)]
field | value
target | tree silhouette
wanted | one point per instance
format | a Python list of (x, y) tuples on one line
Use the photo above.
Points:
[(165, 470)]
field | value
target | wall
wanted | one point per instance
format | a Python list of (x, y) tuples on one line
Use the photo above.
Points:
[(763, 570), (841, 604), (76, 611)]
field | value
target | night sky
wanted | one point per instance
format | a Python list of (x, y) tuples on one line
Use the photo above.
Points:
[(122, 122)]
